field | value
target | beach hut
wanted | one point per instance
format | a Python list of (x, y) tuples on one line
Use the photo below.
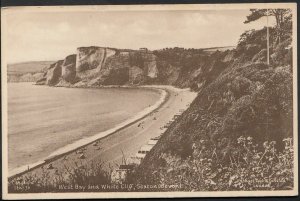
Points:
[(143, 151), (153, 141), (119, 175)]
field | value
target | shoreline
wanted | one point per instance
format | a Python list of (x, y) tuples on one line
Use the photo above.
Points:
[(89, 140)]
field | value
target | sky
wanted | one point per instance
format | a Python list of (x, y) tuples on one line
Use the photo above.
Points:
[(40, 36)]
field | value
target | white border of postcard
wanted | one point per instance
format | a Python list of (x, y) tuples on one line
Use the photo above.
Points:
[(101, 8)]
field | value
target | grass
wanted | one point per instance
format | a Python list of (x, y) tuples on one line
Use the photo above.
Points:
[(28, 67)]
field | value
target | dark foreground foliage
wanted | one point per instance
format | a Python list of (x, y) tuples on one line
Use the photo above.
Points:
[(70, 180), (252, 167)]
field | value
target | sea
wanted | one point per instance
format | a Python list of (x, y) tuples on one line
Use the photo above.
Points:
[(43, 119)]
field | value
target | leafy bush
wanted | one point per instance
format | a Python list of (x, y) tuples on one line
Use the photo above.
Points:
[(250, 167)]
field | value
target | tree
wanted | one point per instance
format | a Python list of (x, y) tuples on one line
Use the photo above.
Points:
[(282, 17)]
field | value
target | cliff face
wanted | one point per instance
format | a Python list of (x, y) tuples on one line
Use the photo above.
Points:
[(69, 68), (54, 73), (89, 58), (96, 66)]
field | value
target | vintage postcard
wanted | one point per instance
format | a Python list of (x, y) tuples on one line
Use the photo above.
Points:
[(148, 101)]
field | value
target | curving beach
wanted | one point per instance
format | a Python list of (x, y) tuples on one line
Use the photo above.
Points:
[(58, 120), (124, 139)]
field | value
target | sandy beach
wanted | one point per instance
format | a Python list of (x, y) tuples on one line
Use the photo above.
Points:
[(125, 142)]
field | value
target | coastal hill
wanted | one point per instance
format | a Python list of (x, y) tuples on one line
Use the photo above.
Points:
[(245, 103), (30, 71), (97, 66)]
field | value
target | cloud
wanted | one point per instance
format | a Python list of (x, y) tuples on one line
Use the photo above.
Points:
[(42, 36), (63, 27)]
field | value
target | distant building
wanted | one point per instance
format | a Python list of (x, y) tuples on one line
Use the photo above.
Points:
[(124, 53), (178, 48), (143, 49)]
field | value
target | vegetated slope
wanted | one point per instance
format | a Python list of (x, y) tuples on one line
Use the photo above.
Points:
[(26, 71), (247, 98)]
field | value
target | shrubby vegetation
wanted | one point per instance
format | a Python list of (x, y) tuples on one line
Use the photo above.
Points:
[(248, 98), (251, 166), (188, 67)]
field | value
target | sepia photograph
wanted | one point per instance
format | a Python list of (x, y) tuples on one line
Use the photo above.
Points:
[(144, 101)]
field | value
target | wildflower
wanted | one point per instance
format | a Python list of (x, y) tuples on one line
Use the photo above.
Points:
[(209, 181), (266, 144), (194, 146), (169, 170), (231, 179), (256, 156), (249, 138), (241, 139)]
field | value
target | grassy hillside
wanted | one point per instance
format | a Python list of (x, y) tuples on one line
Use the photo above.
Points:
[(212, 49), (247, 99), (28, 67), (26, 71), (190, 67)]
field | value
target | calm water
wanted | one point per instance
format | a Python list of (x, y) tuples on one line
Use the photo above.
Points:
[(42, 119)]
